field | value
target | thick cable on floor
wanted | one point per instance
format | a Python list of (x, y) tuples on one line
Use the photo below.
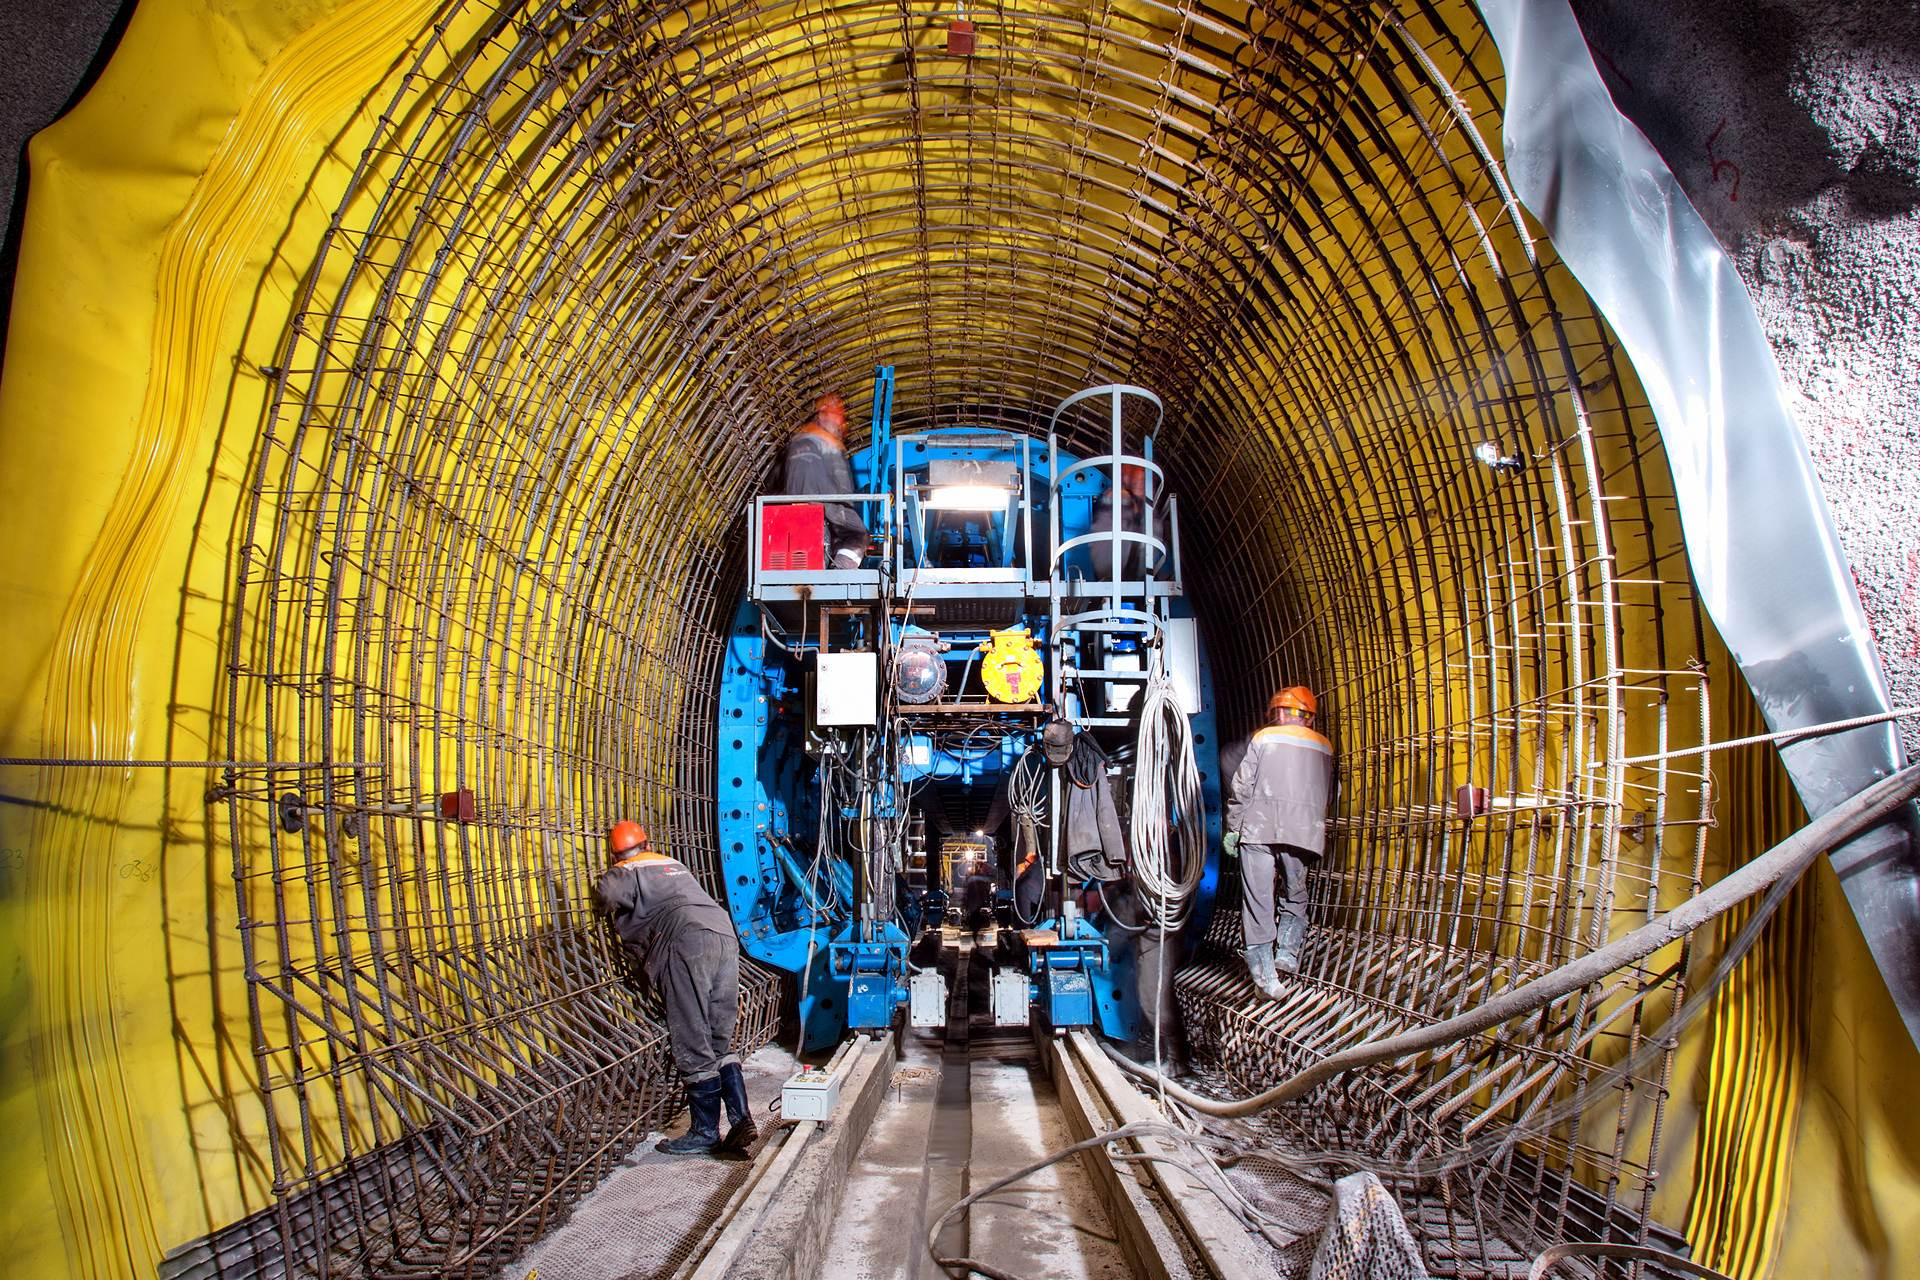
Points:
[(1784, 862)]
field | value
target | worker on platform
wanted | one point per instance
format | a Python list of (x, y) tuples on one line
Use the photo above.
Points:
[(685, 943), (1133, 519), (1277, 823), (817, 464)]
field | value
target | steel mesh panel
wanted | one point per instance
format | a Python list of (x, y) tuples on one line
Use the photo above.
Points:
[(592, 262)]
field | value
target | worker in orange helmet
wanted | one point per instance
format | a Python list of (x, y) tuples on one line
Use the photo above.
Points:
[(685, 942), (1277, 822), (817, 464)]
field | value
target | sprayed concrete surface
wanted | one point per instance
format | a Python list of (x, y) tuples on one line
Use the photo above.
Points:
[(645, 1217), (1794, 126)]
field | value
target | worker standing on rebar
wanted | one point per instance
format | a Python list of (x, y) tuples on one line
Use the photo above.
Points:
[(817, 464), (1277, 823), (685, 943)]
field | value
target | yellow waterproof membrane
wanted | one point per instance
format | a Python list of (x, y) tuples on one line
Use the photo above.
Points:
[(385, 383)]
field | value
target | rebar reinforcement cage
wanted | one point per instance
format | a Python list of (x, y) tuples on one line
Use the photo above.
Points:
[(598, 256)]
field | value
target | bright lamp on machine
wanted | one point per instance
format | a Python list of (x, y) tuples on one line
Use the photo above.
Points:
[(970, 484), (967, 497)]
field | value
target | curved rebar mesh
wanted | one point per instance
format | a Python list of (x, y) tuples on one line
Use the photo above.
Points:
[(599, 256)]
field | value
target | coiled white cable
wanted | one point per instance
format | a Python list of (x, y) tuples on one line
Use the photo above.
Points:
[(1166, 808)]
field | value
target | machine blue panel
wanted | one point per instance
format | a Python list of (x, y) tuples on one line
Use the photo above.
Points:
[(832, 837)]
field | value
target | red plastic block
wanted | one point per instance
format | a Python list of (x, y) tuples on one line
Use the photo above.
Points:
[(793, 537), (960, 38), (459, 806), (1470, 802)]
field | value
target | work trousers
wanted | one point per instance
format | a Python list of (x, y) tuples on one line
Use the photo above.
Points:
[(1259, 864), (699, 980)]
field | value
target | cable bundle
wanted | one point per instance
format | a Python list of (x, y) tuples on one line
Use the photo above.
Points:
[(1166, 801)]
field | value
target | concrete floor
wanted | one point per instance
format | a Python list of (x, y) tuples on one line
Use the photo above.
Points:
[(1051, 1225), (645, 1217), (961, 1112)]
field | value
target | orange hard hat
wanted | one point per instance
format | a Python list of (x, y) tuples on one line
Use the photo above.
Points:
[(1296, 697), (830, 411), (1133, 478), (625, 837)]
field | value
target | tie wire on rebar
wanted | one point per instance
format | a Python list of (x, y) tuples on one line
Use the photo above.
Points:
[(592, 262)]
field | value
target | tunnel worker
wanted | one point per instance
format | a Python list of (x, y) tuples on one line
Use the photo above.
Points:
[(685, 943), (817, 464), (1133, 519), (1277, 821)]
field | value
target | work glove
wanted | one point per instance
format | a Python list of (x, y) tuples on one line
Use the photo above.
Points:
[(1230, 844)]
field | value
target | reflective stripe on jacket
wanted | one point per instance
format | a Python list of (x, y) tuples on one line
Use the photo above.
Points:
[(817, 464), (654, 901), (1279, 793)]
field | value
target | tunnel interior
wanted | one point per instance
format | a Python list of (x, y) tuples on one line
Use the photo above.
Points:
[(454, 490)]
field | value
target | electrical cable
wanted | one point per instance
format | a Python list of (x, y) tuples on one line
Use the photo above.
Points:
[(1166, 797), (1776, 872), (1775, 869)]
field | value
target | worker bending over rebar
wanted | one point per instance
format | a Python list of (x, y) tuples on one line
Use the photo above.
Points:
[(1277, 823), (684, 941)]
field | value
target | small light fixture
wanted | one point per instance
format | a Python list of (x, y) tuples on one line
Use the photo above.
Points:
[(967, 497), (1489, 453)]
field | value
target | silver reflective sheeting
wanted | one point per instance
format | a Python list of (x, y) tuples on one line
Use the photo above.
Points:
[(1762, 546)]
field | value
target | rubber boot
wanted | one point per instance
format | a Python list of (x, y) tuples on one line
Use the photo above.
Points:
[(703, 1124), (1260, 968), (1286, 948), (741, 1131)]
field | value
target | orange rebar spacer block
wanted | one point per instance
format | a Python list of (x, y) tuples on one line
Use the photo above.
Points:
[(960, 38)]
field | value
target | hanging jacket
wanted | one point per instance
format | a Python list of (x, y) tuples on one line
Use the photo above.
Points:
[(1279, 791), (655, 902), (817, 463), (1094, 842)]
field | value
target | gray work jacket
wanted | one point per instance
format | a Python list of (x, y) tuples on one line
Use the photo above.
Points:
[(1092, 840), (815, 464), (654, 902), (1279, 793)]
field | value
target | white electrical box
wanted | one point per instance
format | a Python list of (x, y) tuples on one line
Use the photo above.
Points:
[(810, 1095), (927, 1000), (1183, 662), (1011, 998), (846, 689), (1121, 693)]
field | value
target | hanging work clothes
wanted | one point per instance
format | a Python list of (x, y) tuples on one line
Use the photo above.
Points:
[(1279, 791), (1094, 842), (1092, 839), (655, 904), (817, 463)]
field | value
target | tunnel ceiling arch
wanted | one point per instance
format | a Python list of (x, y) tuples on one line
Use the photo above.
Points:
[(581, 267), (600, 257)]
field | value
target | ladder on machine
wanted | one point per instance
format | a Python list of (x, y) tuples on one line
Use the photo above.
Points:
[(1093, 619)]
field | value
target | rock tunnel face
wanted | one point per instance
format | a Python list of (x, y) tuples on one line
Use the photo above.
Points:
[(556, 281)]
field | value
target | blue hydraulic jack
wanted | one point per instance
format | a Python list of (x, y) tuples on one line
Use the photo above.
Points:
[(1062, 961), (875, 973)]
